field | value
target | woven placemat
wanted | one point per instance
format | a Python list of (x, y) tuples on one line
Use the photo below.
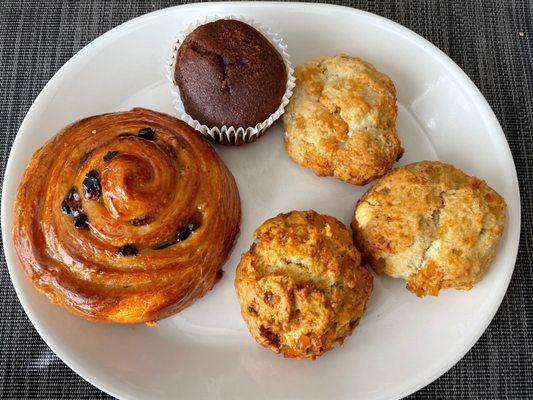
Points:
[(492, 41)]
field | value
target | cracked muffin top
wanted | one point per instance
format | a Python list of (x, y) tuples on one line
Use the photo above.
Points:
[(229, 74), (301, 286), (430, 224), (341, 119)]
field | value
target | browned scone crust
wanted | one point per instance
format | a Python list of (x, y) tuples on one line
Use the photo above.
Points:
[(341, 119), (302, 287), (167, 183), (430, 224), (229, 74)]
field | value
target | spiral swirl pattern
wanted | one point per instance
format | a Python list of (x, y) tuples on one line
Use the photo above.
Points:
[(125, 217)]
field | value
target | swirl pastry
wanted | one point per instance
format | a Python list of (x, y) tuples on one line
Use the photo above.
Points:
[(125, 217)]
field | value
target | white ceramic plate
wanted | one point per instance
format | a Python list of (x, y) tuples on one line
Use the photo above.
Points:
[(205, 352)]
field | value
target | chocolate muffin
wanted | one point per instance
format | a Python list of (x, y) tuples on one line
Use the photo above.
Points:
[(229, 74)]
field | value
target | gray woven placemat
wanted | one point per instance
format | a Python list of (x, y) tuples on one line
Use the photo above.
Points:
[(491, 41)]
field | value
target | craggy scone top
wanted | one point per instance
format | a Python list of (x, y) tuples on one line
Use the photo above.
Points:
[(430, 224), (302, 286), (341, 119)]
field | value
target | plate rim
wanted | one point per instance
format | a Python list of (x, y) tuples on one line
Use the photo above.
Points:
[(479, 100)]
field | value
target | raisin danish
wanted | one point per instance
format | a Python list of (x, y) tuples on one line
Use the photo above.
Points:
[(125, 217)]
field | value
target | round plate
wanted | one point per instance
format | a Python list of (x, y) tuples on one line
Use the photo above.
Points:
[(402, 343)]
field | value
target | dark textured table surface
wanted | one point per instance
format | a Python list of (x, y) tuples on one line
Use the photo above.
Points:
[(492, 41)]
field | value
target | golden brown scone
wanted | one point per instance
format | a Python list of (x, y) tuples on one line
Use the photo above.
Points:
[(125, 217), (341, 119), (430, 224), (302, 286)]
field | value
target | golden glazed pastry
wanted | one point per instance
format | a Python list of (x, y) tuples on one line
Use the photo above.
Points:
[(341, 119), (430, 224), (302, 287), (125, 217)]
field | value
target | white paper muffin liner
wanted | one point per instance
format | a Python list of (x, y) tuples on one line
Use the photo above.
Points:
[(230, 134)]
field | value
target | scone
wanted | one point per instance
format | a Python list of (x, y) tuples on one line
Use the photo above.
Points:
[(430, 224), (302, 287), (341, 119)]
